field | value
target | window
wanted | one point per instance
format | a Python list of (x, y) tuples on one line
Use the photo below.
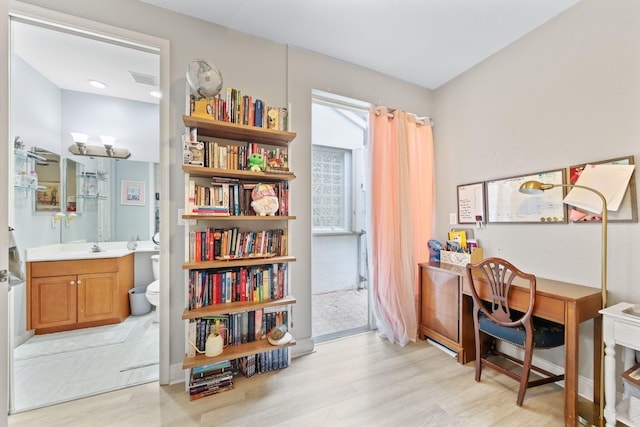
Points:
[(331, 191)]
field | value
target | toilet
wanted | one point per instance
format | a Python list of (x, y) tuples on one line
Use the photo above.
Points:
[(153, 290)]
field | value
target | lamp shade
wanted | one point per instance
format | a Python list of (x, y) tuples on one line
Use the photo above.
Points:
[(107, 140), (534, 187), (82, 138)]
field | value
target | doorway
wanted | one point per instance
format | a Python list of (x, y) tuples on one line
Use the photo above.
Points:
[(44, 375), (340, 291)]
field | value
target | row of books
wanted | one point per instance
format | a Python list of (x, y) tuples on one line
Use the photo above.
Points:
[(212, 154), (265, 362), (236, 328), (235, 107), (224, 244), (239, 284), (224, 197)]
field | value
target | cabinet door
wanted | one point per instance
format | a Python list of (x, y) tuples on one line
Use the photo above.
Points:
[(440, 301), (97, 296), (53, 301)]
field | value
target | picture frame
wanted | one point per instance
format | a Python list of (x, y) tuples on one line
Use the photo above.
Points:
[(132, 193), (472, 208), (505, 203), (48, 197), (628, 211)]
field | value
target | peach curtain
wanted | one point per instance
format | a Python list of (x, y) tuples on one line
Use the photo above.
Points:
[(401, 189)]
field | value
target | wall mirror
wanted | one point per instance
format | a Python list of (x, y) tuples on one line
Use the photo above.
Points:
[(50, 65), (47, 198), (73, 170)]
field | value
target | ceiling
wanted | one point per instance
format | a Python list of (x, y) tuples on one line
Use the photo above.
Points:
[(70, 59), (425, 42)]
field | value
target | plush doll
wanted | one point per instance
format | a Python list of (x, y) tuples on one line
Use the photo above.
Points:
[(256, 162), (264, 199)]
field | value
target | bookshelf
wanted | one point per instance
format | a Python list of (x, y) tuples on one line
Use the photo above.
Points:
[(205, 263)]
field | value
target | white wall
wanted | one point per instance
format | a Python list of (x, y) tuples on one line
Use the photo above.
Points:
[(565, 94)]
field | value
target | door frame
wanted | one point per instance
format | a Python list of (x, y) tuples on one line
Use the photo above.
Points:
[(27, 12)]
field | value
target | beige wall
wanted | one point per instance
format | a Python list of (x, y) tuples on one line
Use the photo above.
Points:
[(261, 68), (565, 94)]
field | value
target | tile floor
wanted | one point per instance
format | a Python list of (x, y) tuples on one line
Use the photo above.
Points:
[(78, 371), (333, 312)]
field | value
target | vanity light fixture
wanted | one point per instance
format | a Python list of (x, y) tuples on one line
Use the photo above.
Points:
[(80, 148), (108, 141), (81, 141)]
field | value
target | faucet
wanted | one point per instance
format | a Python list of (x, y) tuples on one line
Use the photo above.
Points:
[(95, 247)]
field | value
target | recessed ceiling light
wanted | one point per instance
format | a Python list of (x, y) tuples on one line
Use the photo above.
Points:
[(155, 94), (97, 84)]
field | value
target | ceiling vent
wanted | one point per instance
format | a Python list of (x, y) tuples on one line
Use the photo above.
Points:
[(144, 79)]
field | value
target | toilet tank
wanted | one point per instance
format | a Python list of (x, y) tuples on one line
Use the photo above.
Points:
[(155, 265)]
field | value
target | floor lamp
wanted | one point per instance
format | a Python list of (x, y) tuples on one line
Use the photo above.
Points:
[(537, 187)]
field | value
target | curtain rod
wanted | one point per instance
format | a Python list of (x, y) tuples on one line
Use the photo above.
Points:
[(420, 120)]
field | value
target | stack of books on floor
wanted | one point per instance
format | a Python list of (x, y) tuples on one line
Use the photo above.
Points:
[(210, 379)]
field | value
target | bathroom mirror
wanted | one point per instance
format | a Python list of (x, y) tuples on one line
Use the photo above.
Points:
[(47, 198), (100, 216), (65, 105), (73, 170)]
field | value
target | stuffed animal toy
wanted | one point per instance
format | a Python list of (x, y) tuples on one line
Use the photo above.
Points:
[(256, 162), (264, 199)]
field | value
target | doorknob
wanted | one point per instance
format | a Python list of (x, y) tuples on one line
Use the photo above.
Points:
[(4, 275)]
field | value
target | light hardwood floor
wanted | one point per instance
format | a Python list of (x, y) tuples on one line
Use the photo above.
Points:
[(356, 381)]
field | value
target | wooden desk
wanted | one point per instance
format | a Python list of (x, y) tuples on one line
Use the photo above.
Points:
[(561, 302)]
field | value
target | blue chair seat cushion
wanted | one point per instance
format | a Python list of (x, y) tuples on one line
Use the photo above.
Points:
[(546, 334)]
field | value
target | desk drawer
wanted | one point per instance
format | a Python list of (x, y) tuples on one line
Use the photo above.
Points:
[(446, 325)]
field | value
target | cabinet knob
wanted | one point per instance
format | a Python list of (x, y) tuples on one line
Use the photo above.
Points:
[(79, 282), (72, 282)]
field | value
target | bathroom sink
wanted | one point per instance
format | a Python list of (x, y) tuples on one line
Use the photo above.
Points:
[(634, 310)]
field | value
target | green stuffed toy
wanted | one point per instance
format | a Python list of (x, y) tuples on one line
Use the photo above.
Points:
[(256, 162)]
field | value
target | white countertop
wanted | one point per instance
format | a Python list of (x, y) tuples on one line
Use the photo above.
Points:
[(68, 251)]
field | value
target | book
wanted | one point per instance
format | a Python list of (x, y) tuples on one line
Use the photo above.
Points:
[(210, 392), (258, 113)]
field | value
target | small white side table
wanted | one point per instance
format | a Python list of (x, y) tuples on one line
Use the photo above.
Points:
[(621, 326)]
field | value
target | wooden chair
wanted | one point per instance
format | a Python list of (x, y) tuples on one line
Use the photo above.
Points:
[(491, 283)]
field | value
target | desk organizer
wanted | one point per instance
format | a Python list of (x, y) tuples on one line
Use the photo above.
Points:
[(461, 259)]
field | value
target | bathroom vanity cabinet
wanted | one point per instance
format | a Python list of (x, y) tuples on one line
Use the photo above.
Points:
[(73, 294)]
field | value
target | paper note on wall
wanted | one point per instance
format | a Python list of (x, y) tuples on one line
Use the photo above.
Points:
[(610, 180)]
